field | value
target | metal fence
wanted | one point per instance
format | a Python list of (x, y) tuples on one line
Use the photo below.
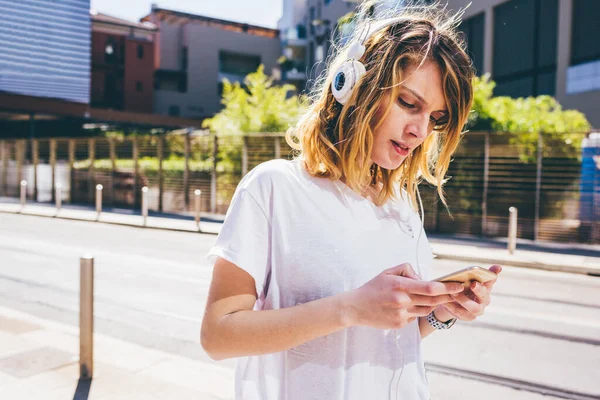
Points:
[(553, 190)]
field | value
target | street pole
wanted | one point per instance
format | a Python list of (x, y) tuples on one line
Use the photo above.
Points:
[(98, 201), (512, 229), (58, 197), (86, 317), (145, 204), (23, 193), (198, 193)]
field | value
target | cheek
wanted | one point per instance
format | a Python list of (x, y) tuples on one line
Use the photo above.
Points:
[(392, 125)]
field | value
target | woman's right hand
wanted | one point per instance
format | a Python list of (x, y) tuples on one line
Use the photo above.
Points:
[(395, 298)]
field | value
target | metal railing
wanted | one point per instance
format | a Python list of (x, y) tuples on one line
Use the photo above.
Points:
[(554, 190)]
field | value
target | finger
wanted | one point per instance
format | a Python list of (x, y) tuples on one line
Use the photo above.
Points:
[(421, 311), (406, 270), (420, 300), (470, 305), (428, 288), (495, 269), (481, 292), (459, 311)]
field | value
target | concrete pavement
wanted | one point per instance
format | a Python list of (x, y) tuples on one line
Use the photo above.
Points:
[(572, 258), (38, 355), (39, 359)]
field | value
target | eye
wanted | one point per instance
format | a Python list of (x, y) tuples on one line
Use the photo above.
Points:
[(405, 104), (440, 122)]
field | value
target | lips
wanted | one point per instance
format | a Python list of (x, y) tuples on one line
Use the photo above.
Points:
[(400, 148)]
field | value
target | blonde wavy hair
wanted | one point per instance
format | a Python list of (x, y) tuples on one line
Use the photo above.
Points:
[(335, 141)]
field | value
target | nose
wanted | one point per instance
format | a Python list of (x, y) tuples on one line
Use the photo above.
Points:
[(419, 127)]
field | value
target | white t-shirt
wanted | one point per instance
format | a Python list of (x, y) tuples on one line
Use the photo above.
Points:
[(304, 238)]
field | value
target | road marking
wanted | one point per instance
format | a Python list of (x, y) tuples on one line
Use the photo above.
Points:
[(560, 319)]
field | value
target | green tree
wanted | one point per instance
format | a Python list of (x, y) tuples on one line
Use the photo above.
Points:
[(524, 118), (257, 106)]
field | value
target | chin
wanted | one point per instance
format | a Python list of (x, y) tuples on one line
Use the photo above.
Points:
[(390, 164)]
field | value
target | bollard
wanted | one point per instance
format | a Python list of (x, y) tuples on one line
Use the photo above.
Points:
[(23, 193), (98, 201), (58, 197), (145, 204), (86, 316), (198, 193), (512, 229)]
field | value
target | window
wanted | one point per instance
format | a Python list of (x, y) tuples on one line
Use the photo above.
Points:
[(170, 80), (301, 29), (140, 51), (311, 55), (585, 45), (237, 64), (174, 111), (110, 51), (184, 59), (525, 41), (474, 32), (139, 86), (182, 84)]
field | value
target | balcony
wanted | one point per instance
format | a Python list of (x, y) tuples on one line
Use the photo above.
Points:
[(293, 70), (294, 37)]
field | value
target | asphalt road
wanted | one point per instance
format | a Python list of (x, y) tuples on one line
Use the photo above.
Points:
[(541, 334)]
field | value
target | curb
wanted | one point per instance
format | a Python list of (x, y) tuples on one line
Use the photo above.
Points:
[(109, 222), (440, 256), (522, 264)]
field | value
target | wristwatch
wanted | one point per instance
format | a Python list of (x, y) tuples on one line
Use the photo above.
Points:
[(437, 324)]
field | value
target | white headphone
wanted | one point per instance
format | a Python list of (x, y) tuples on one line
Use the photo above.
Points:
[(352, 70)]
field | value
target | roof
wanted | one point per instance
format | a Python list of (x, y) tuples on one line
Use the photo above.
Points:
[(175, 17), (109, 19)]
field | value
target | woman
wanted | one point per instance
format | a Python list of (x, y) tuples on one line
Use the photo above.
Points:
[(321, 277)]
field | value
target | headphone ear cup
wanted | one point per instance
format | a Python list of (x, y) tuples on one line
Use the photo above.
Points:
[(345, 79)]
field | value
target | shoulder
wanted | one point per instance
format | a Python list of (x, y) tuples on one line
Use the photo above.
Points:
[(271, 177), (266, 174)]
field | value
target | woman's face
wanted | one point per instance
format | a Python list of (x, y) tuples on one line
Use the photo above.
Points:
[(417, 109)]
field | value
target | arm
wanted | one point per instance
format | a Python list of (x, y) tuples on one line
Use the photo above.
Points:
[(441, 314), (466, 306), (231, 328)]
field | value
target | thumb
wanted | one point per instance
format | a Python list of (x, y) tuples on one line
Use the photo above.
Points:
[(495, 269), (405, 270)]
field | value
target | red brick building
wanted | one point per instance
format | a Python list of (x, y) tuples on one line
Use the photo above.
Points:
[(122, 64)]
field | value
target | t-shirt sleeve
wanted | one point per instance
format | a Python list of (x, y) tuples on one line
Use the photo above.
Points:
[(426, 255), (244, 239)]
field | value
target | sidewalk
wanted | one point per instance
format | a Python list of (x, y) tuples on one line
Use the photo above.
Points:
[(564, 257), (209, 223), (39, 359)]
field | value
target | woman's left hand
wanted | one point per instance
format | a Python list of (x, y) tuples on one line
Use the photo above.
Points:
[(472, 303)]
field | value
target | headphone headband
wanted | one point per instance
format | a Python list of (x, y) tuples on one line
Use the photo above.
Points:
[(350, 72), (380, 25)]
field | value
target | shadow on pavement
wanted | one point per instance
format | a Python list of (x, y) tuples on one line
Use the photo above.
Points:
[(83, 389), (522, 244)]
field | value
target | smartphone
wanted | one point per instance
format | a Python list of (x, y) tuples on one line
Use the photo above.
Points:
[(465, 276)]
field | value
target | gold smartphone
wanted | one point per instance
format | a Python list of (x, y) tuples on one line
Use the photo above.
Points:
[(465, 276)]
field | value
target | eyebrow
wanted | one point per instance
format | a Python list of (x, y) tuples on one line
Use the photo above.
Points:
[(421, 99)]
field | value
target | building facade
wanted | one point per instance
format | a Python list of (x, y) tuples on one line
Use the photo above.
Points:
[(195, 53), (308, 27), (45, 47), (534, 47), (122, 64)]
